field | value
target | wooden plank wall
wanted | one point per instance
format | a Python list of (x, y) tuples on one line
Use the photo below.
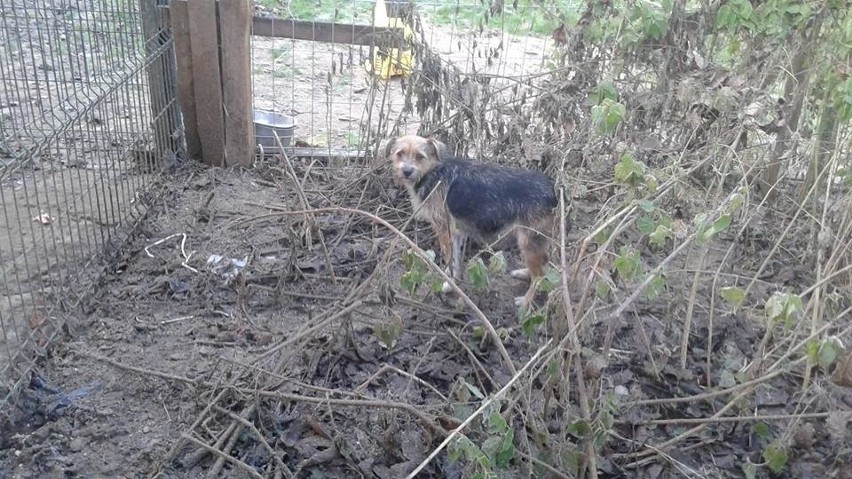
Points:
[(214, 79)]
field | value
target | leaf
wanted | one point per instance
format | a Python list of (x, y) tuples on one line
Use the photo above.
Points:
[(629, 171), (750, 470), (776, 458), (647, 205), (580, 428), (655, 287), (497, 263), (828, 354), (478, 274), (607, 115), (781, 307), (602, 289), (733, 295), (497, 423), (721, 224), (761, 430), (659, 236), (627, 262), (529, 324), (550, 281), (812, 351), (645, 224), (507, 451), (474, 390), (410, 281)]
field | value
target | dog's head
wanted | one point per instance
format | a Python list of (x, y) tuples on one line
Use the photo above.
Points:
[(412, 157)]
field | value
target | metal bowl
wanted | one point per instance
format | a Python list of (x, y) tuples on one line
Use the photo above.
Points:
[(266, 122)]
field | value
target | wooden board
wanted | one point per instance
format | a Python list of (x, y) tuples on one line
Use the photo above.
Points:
[(185, 84), (326, 32), (341, 153), (204, 39), (235, 32)]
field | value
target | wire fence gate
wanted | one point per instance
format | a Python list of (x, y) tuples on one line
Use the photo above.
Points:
[(87, 110)]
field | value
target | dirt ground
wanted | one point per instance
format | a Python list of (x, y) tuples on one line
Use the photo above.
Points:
[(171, 351)]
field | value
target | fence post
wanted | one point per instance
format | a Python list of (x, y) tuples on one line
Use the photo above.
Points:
[(204, 42), (235, 30), (179, 16), (161, 76)]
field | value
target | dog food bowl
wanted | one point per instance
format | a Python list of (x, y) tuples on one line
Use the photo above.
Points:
[(267, 122)]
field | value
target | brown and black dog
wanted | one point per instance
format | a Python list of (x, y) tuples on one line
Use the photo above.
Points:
[(465, 200)]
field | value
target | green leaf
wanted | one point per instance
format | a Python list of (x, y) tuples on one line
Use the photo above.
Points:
[(655, 287), (627, 263), (782, 307), (828, 354), (497, 423), (605, 90), (812, 351), (506, 453), (411, 280), (608, 115), (629, 171), (497, 263), (646, 224), (647, 205), (581, 428), (761, 430), (718, 226), (659, 236), (733, 295), (776, 458), (550, 281), (750, 470), (478, 274), (602, 289), (529, 324)]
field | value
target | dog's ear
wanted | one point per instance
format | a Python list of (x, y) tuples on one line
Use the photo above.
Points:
[(389, 147), (436, 148)]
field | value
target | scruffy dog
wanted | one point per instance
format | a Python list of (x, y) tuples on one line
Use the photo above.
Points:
[(465, 200)]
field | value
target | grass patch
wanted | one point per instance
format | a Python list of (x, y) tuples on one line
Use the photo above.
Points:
[(526, 18)]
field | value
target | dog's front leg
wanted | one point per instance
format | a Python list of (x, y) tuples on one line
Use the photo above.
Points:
[(458, 241)]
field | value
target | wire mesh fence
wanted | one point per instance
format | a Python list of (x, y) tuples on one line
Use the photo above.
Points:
[(81, 134), (341, 98)]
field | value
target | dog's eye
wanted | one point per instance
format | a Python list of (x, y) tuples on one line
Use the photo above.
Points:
[(419, 157)]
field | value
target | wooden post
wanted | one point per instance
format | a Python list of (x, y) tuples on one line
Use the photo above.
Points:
[(235, 30), (204, 40), (161, 76), (185, 83)]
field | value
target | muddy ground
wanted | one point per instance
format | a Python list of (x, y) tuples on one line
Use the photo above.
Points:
[(323, 354)]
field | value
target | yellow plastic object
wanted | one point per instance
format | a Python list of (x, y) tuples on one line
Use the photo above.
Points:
[(390, 62)]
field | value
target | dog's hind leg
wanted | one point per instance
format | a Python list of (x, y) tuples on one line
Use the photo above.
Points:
[(533, 248)]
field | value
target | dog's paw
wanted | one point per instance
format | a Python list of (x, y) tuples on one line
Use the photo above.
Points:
[(446, 288), (522, 301), (523, 273)]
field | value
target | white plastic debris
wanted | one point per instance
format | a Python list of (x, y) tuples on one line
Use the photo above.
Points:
[(228, 268)]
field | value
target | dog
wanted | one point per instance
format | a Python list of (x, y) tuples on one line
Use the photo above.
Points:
[(464, 200)]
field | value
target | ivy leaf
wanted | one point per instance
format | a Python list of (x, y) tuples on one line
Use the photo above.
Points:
[(645, 224), (776, 458), (627, 262), (478, 274), (497, 263), (529, 324), (733, 295)]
